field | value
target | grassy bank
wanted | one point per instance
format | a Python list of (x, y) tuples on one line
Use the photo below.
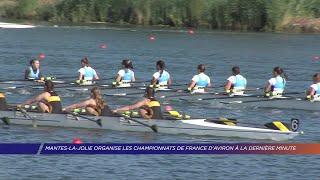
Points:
[(243, 15)]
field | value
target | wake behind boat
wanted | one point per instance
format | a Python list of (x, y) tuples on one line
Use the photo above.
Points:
[(199, 127)]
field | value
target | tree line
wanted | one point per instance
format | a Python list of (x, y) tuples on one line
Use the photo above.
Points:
[(247, 15)]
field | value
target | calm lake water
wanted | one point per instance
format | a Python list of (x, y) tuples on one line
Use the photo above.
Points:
[(255, 53)]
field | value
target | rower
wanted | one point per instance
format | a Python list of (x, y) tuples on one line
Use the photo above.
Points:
[(313, 94), (86, 74), (48, 101), (33, 71), (125, 76), (200, 82), (95, 105), (236, 83), (161, 79), (3, 102), (149, 107), (276, 85)]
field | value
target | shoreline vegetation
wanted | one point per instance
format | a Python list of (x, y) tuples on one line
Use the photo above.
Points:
[(297, 16)]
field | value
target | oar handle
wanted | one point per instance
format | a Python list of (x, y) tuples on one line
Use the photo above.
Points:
[(98, 121), (153, 127)]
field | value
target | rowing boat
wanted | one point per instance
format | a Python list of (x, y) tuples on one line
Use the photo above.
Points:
[(200, 126), (256, 102)]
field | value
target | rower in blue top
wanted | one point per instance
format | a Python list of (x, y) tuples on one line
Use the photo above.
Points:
[(313, 94), (200, 82), (87, 74), (236, 84), (276, 85), (125, 76), (33, 71), (161, 79)]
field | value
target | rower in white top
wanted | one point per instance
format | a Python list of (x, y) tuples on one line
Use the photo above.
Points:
[(236, 84), (33, 71), (161, 79), (87, 74), (313, 94), (200, 82), (276, 85), (125, 75)]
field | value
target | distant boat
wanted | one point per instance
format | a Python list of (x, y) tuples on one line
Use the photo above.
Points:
[(15, 26)]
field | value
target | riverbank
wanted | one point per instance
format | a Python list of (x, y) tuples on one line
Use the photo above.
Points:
[(302, 25), (236, 15)]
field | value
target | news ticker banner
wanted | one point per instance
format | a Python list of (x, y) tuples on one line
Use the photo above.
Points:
[(180, 148)]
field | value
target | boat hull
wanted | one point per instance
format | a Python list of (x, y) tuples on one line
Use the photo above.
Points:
[(198, 127)]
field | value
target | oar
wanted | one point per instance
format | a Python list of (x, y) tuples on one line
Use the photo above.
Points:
[(187, 93), (98, 121), (153, 127), (26, 114), (244, 96), (261, 100), (229, 97), (6, 121), (9, 80), (123, 94)]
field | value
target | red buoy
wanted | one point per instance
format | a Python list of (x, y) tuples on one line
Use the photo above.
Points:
[(191, 32), (42, 56), (315, 58), (103, 46), (77, 141), (152, 38)]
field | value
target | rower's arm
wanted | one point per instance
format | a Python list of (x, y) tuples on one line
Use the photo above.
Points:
[(228, 85), (133, 79), (26, 74), (310, 91), (131, 107), (170, 81), (267, 88), (82, 104), (80, 76), (40, 75), (96, 77), (118, 78), (38, 98), (191, 85), (153, 81)]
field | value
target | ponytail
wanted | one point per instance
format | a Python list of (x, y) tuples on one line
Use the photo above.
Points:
[(85, 61), (280, 72), (100, 103)]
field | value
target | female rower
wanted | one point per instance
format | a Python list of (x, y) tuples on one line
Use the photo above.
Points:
[(86, 74), (161, 79), (125, 75), (236, 83), (149, 107), (276, 85), (48, 101), (95, 105), (314, 91), (199, 82), (33, 71)]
